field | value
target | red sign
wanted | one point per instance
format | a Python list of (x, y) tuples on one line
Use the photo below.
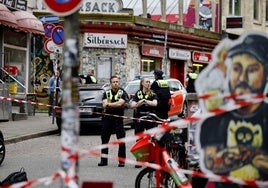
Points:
[(63, 7), (201, 57), (153, 51)]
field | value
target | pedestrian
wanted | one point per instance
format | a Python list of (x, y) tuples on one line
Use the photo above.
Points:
[(89, 78), (161, 88), (54, 88), (144, 100), (190, 80), (113, 104), (235, 143)]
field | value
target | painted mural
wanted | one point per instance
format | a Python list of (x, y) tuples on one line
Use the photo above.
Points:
[(41, 71)]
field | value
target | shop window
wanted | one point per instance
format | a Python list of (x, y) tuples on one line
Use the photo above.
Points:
[(17, 58), (15, 38), (149, 65)]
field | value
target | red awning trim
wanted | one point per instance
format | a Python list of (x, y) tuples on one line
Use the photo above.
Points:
[(27, 22), (7, 18)]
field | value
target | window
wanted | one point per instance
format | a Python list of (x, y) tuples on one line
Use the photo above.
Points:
[(256, 13), (235, 7), (148, 65)]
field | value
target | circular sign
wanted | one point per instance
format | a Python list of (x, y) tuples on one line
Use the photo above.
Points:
[(49, 45), (58, 35), (63, 7), (48, 29)]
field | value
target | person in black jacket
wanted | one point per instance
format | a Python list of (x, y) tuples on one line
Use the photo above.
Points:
[(113, 103), (144, 100), (161, 88)]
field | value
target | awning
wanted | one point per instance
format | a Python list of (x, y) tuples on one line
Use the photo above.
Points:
[(7, 18), (27, 22)]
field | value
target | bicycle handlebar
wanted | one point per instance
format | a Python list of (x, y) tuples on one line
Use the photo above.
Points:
[(152, 115)]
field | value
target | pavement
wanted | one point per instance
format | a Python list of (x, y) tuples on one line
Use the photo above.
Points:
[(39, 124)]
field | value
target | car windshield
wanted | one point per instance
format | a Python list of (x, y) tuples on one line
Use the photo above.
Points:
[(132, 88), (91, 95)]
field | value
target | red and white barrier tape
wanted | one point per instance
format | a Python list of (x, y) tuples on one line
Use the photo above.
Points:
[(159, 130)]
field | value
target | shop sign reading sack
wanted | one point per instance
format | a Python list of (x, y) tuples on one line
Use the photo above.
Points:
[(105, 40), (102, 6)]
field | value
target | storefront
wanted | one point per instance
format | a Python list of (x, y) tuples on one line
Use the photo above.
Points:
[(17, 27), (151, 58), (200, 60), (178, 60)]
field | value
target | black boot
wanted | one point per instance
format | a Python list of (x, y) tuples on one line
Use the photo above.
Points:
[(103, 162)]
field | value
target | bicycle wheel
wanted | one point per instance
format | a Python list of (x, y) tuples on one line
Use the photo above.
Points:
[(2, 151), (146, 178)]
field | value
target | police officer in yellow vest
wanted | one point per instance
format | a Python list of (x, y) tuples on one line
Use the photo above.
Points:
[(113, 103), (144, 100), (161, 88), (190, 80), (89, 78)]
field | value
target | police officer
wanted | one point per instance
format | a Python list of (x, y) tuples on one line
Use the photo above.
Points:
[(161, 88), (113, 103), (190, 80), (144, 100), (90, 78)]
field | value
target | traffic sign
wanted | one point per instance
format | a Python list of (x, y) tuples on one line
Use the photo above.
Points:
[(49, 45), (58, 35), (49, 19), (63, 7), (48, 28)]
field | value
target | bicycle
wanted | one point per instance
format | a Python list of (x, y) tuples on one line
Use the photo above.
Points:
[(2, 148), (152, 149), (175, 145)]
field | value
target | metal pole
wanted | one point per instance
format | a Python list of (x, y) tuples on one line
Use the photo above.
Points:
[(164, 60), (70, 99)]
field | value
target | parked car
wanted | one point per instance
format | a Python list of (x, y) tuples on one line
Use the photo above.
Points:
[(178, 98), (2, 148), (90, 102)]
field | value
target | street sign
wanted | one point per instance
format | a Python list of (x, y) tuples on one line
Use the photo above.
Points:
[(63, 7), (48, 28), (49, 46), (49, 19), (58, 35)]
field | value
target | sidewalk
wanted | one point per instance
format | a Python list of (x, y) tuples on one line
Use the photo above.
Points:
[(35, 126)]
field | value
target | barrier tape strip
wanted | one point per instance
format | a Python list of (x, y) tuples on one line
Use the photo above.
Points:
[(160, 130)]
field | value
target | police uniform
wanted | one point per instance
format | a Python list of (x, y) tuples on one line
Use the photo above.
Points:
[(89, 79), (191, 79), (161, 88), (113, 124), (140, 126)]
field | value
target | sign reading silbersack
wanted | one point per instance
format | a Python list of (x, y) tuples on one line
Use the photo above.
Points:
[(105, 40)]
